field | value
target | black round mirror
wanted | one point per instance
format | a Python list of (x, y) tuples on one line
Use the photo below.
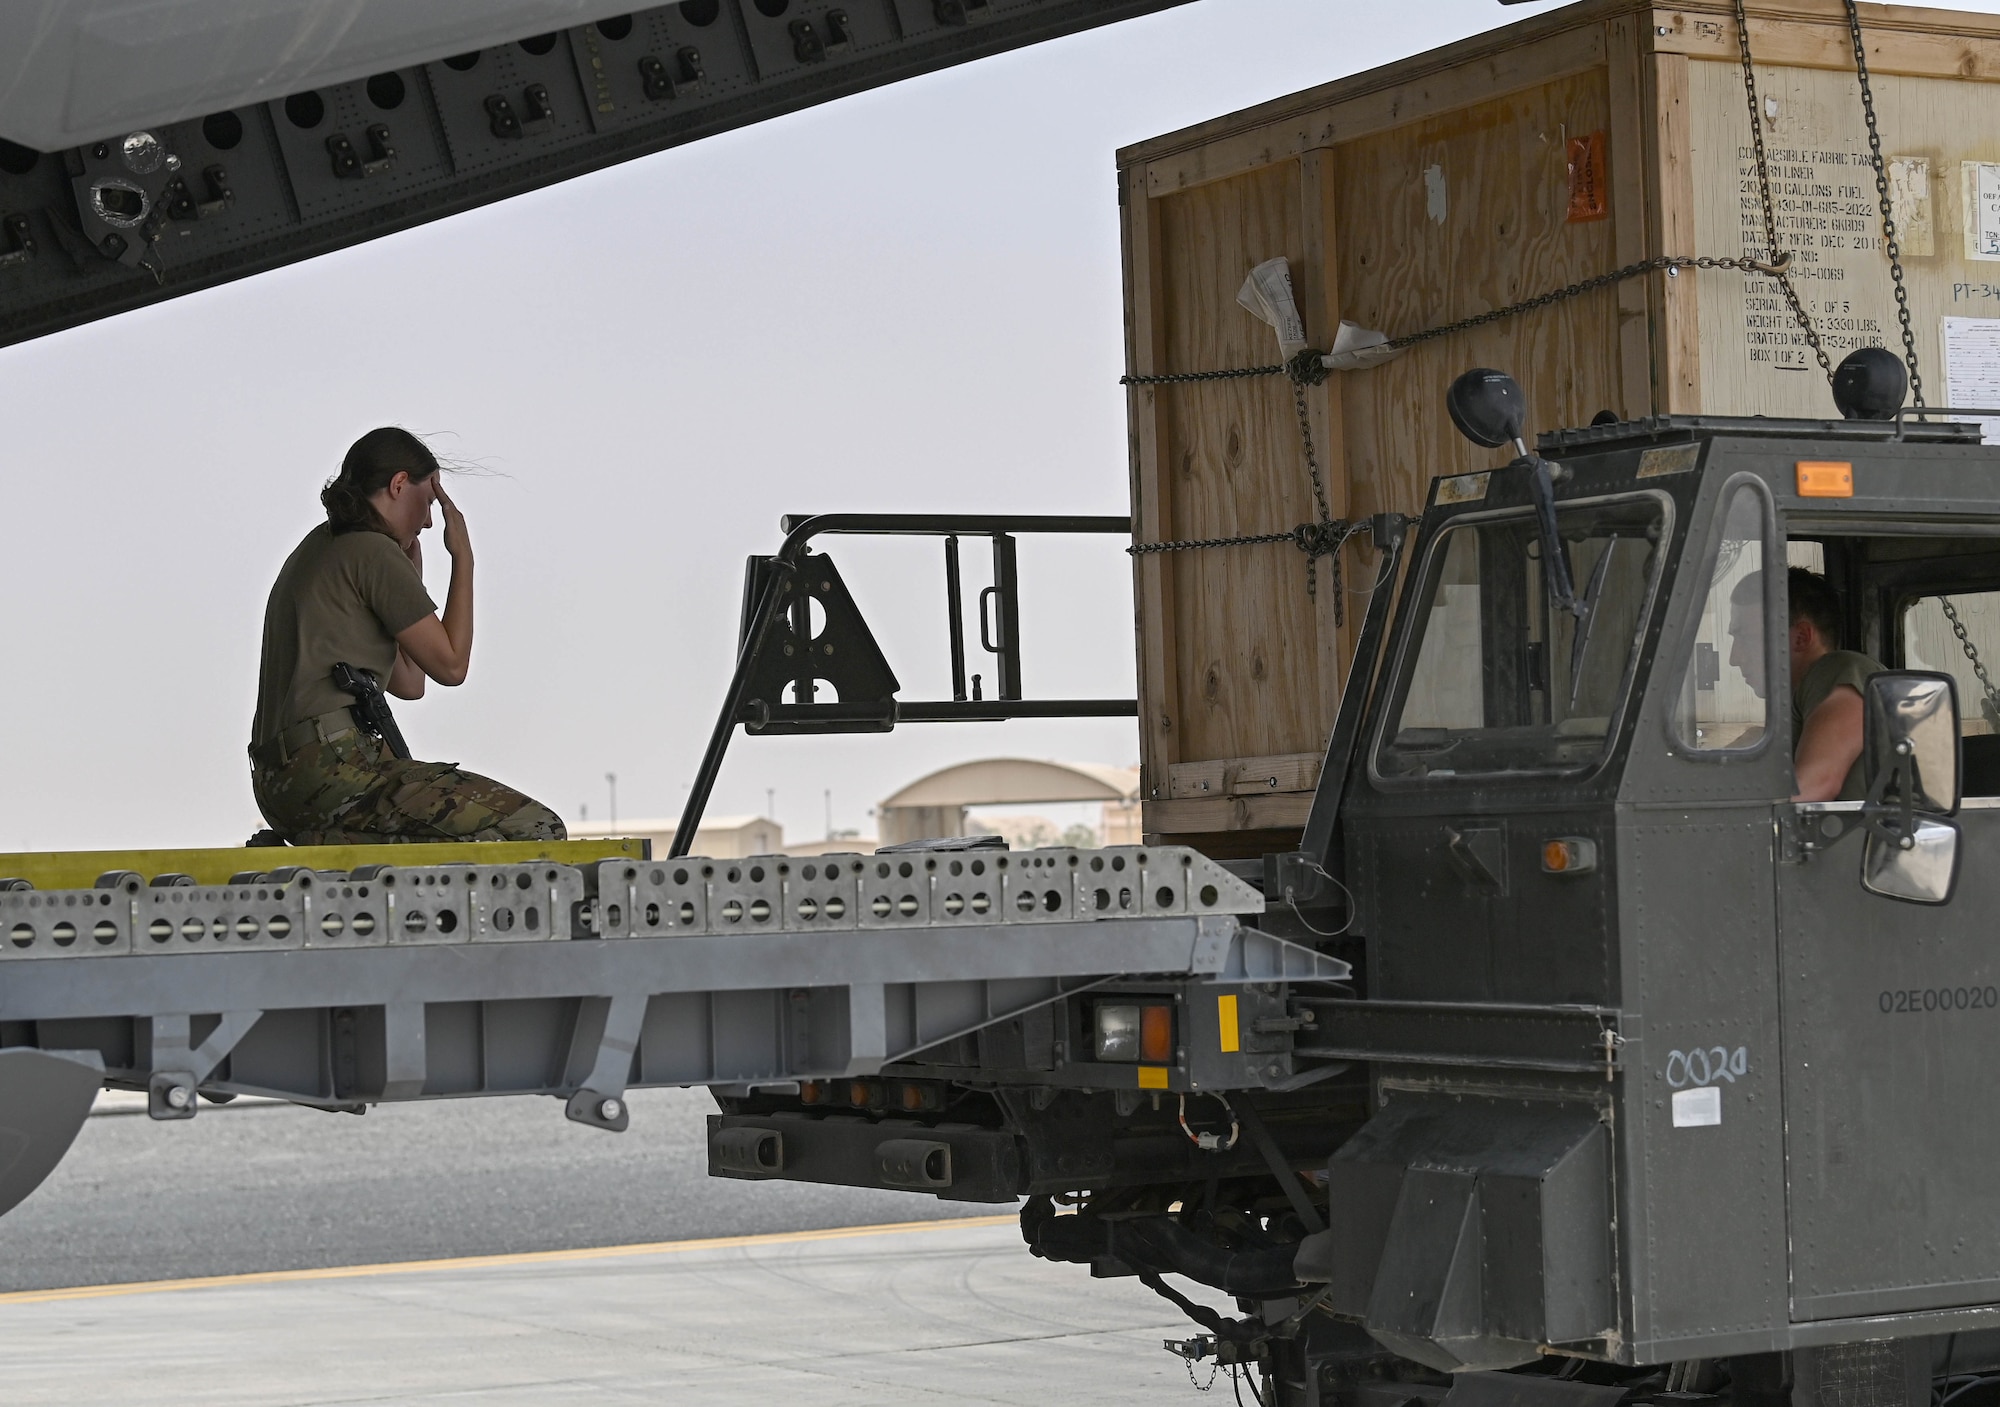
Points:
[(1487, 406), (1869, 384)]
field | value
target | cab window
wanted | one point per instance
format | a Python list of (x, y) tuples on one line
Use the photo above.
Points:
[(1958, 633), (1723, 705), (1931, 603), (1497, 679)]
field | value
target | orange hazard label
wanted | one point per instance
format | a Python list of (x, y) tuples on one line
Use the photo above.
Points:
[(1589, 186)]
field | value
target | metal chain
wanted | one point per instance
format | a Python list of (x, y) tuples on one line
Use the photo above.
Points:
[(1778, 261), (1312, 458), (1213, 1369), (1316, 540), (1319, 546), (1972, 653), (1665, 263), (1176, 377), (1890, 245), (1300, 374), (1326, 537), (1140, 549)]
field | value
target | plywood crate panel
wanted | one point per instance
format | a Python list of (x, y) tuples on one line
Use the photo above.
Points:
[(1447, 186)]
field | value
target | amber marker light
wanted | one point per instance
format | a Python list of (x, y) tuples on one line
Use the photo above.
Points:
[(1819, 478), (1156, 1034), (918, 1098), (1569, 854)]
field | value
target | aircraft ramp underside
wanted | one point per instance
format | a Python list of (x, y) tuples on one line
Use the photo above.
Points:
[(138, 217)]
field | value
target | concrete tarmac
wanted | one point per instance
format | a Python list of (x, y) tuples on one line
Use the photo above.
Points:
[(491, 1252), (915, 1316), (276, 1187)]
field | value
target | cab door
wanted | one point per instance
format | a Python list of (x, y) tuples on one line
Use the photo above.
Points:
[(1891, 1039)]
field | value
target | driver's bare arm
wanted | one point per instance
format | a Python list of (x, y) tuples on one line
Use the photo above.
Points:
[(1828, 745)]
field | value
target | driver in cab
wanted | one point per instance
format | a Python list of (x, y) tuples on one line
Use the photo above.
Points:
[(1826, 681)]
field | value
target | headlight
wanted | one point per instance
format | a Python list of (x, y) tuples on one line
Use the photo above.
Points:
[(1131, 1032), (1117, 1032)]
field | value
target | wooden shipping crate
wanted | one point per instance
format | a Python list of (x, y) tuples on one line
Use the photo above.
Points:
[(1467, 180)]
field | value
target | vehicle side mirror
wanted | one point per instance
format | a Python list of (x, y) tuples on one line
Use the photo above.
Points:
[(1910, 752), (1490, 409), (1910, 741)]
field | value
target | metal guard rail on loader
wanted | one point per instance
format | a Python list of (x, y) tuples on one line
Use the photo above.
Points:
[(778, 651), (390, 983)]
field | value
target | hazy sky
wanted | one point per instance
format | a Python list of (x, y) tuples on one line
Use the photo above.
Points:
[(904, 301)]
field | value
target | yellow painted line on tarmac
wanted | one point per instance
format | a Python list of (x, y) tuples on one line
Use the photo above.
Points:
[(413, 1267)]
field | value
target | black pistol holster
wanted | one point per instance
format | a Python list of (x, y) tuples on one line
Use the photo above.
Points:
[(370, 707)]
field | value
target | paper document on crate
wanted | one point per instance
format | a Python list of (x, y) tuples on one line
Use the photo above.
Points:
[(1972, 368)]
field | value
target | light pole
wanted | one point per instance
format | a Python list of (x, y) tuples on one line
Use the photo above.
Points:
[(611, 780)]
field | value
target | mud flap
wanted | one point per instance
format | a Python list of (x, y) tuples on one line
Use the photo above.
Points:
[(44, 1098)]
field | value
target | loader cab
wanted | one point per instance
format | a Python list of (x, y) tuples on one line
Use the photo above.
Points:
[(1587, 803), (1511, 729)]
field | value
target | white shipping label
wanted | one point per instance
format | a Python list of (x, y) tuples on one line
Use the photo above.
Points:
[(1697, 1108), (1982, 209), (1972, 367), (1910, 203)]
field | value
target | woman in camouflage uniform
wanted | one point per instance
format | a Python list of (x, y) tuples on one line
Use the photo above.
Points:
[(353, 593)]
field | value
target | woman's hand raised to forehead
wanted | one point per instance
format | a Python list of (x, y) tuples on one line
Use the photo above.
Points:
[(457, 540)]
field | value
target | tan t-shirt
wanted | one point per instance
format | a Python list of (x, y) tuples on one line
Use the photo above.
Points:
[(338, 598), (1827, 673)]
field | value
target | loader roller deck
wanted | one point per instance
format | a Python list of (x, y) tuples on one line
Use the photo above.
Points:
[(525, 973)]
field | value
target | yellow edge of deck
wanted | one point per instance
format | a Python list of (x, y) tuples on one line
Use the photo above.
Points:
[(79, 869)]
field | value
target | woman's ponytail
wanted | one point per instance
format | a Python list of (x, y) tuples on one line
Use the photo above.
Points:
[(346, 510)]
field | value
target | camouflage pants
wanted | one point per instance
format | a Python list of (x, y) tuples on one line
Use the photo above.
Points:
[(351, 790)]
